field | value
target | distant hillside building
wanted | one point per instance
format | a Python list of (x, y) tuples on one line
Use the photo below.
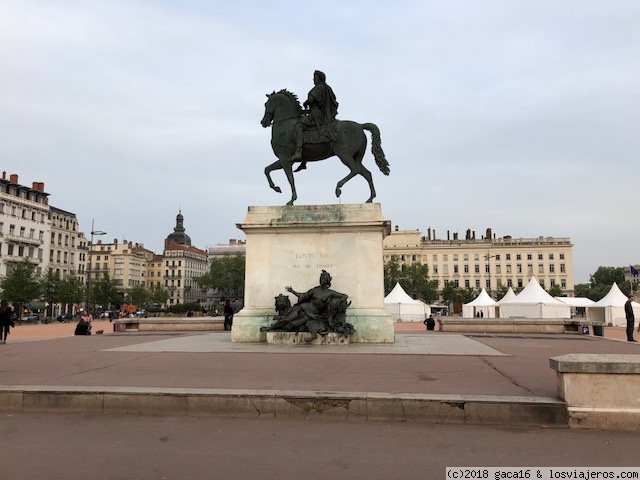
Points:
[(487, 262)]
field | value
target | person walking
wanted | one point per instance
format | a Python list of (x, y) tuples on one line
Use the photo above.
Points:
[(430, 323), (6, 321), (628, 312), (228, 315)]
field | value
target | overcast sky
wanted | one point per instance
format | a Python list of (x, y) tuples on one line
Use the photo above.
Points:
[(519, 116)]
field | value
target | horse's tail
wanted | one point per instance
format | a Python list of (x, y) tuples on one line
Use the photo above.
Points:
[(376, 147)]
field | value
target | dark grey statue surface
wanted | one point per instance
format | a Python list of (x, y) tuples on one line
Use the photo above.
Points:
[(318, 311), (314, 134)]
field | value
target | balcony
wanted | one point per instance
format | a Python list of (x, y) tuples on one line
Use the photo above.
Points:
[(12, 238)]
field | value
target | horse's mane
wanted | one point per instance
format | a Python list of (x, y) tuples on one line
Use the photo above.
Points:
[(293, 97)]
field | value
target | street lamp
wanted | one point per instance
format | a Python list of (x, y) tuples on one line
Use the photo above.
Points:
[(488, 258), (93, 232)]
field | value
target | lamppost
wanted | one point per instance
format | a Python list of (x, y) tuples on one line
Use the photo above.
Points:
[(93, 232), (51, 290), (488, 258)]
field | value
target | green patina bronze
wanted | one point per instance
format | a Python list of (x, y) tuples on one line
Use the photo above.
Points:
[(311, 135)]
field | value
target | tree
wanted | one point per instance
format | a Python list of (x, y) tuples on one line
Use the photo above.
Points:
[(71, 290), (601, 283), (50, 283), (158, 294), (105, 292), (21, 285), (414, 279), (555, 291), (226, 274), (138, 295)]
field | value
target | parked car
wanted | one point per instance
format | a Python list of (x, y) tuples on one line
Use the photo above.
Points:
[(65, 317), (31, 317)]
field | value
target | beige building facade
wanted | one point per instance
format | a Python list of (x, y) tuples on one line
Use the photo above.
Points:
[(487, 262), (24, 224)]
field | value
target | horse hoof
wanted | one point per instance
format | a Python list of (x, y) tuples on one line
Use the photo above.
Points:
[(290, 202), (277, 189), (338, 192)]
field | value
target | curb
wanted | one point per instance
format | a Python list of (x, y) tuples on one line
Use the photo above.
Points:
[(348, 406)]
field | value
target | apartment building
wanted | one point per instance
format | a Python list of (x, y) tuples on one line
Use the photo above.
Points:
[(183, 265), (24, 224), (487, 262), (67, 246)]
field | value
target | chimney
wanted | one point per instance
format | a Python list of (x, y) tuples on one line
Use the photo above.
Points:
[(396, 229), (115, 241), (429, 233), (455, 236), (13, 178), (38, 186), (448, 235), (4, 175), (473, 235), (488, 234), (467, 235)]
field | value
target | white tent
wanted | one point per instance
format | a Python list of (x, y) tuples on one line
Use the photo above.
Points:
[(404, 308), (534, 302), (510, 295), (610, 309), (576, 301), (482, 303)]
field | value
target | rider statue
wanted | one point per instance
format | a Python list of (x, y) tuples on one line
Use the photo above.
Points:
[(321, 108)]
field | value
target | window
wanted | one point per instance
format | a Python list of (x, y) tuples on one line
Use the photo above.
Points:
[(456, 283), (529, 267), (476, 268), (465, 257), (529, 256), (486, 269), (551, 256), (466, 268), (552, 268), (445, 257), (455, 257), (509, 268), (476, 257), (435, 258), (541, 268), (498, 268), (562, 256), (552, 283), (497, 257), (435, 269), (563, 283), (539, 256), (509, 283), (455, 269), (518, 257), (487, 284), (519, 268), (562, 268), (467, 284), (508, 256), (477, 283), (519, 283), (542, 283), (445, 269)]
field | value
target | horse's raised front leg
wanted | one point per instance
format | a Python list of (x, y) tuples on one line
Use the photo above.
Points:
[(267, 171)]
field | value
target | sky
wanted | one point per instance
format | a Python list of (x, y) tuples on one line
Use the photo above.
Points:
[(519, 116)]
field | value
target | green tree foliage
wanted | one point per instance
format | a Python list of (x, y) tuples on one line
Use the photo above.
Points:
[(21, 285), (138, 295), (105, 292), (226, 275), (555, 291), (70, 290), (158, 295), (414, 279), (601, 283)]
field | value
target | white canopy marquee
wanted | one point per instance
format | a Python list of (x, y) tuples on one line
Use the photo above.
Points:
[(534, 302), (482, 303), (610, 309), (404, 308)]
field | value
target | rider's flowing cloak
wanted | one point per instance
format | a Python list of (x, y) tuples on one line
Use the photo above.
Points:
[(326, 99)]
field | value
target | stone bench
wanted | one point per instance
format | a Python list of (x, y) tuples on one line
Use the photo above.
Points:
[(601, 390), (512, 325), (168, 324)]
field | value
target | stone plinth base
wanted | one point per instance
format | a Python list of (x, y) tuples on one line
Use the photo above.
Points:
[(300, 338), (510, 325), (291, 245), (601, 390)]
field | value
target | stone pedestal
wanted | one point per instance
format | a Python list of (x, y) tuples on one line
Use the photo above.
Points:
[(300, 338), (291, 245)]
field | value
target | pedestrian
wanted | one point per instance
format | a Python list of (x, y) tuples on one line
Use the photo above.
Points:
[(6, 321), (628, 312), (228, 315), (430, 323), (87, 318)]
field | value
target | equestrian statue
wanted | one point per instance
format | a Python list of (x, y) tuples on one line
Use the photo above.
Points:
[(314, 134)]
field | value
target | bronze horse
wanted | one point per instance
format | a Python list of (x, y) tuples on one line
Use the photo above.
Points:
[(282, 111)]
